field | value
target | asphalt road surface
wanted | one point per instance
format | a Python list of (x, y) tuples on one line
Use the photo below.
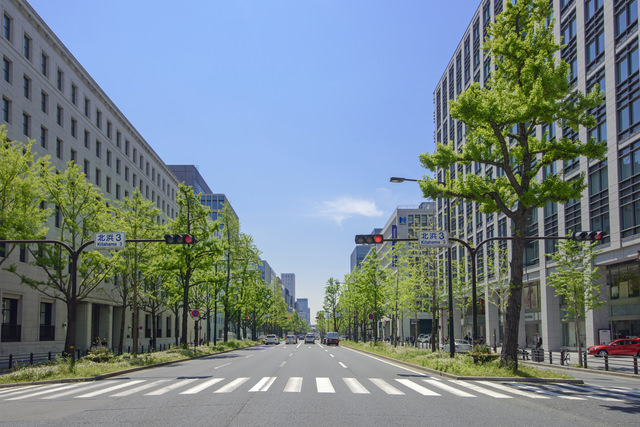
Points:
[(315, 385)]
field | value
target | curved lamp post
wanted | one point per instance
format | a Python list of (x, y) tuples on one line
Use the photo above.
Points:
[(452, 347)]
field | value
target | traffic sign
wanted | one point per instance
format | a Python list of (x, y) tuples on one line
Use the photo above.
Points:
[(370, 316), (433, 239), (109, 240), (195, 313)]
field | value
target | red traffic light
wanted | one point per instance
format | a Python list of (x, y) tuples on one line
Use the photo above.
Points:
[(179, 239), (369, 239), (591, 236)]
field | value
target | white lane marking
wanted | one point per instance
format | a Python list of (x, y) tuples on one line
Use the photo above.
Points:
[(68, 392), (601, 394), (389, 363), (283, 363), (202, 386), (481, 390), (513, 390), (543, 390), (386, 387), (447, 387), (342, 364), (48, 390), (232, 385), (138, 389), (294, 385), (23, 390), (12, 390), (290, 354), (355, 386), (109, 389), (324, 385), (263, 384), (170, 387), (331, 355), (416, 387), (222, 366)]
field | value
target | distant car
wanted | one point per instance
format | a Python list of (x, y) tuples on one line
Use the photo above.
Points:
[(332, 338), (272, 339), (461, 346), (309, 338), (291, 339), (620, 347), (300, 337), (423, 338)]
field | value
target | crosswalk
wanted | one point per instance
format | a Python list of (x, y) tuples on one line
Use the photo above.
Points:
[(427, 387)]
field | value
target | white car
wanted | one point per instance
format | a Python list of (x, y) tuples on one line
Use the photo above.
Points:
[(461, 346), (291, 339), (309, 338), (271, 339)]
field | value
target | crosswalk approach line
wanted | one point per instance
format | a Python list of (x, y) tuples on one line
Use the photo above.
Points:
[(324, 385), (205, 385), (170, 387), (417, 387), (294, 385), (263, 385), (512, 390), (355, 386), (386, 387), (448, 388), (228, 388), (481, 390), (108, 389), (139, 388)]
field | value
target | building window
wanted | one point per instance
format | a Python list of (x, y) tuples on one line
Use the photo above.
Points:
[(60, 115), (26, 47), (6, 110), (59, 147), (99, 119), (74, 128), (626, 18), (7, 26), (26, 124), (44, 64), (44, 136), (10, 328), (118, 166), (109, 129), (7, 65), (86, 168), (74, 155), (590, 8), (118, 191), (87, 107), (74, 94), (47, 328), (60, 80), (98, 149), (108, 158), (98, 177), (26, 87), (108, 185)]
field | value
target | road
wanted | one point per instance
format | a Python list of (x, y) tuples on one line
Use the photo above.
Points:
[(312, 385)]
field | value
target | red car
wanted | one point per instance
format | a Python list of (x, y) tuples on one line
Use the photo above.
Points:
[(621, 347)]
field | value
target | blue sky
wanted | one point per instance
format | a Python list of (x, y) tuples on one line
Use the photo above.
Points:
[(299, 111)]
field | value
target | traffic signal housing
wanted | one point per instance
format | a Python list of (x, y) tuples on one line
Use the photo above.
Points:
[(369, 239), (179, 239), (588, 236)]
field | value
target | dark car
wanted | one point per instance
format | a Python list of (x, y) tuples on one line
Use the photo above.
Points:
[(621, 347), (332, 338)]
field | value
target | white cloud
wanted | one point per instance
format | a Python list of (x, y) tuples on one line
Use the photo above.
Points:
[(346, 207)]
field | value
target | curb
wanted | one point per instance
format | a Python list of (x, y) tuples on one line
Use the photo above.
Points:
[(116, 373), (470, 378)]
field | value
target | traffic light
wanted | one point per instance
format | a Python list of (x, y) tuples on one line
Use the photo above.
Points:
[(591, 236), (369, 239), (179, 239)]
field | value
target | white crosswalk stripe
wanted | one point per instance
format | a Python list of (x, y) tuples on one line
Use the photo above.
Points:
[(386, 387), (355, 386), (424, 386)]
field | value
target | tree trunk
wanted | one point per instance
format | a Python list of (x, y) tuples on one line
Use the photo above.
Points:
[(509, 355), (70, 339), (185, 314)]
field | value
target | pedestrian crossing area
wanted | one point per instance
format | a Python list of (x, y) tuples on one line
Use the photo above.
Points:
[(427, 387)]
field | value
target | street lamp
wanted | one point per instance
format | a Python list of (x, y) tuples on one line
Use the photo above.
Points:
[(452, 347)]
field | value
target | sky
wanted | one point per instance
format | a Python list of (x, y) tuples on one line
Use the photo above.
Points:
[(298, 110)]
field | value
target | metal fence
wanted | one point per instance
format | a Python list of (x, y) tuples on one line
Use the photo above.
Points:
[(624, 364)]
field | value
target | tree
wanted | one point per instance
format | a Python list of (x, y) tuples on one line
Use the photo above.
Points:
[(331, 298), (230, 237), (80, 211), (21, 215), (575, 281), (183, 261), (372, 284), (136, 217), (529, 87)]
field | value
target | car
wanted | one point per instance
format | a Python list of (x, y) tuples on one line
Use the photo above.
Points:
[(271, 339), (309, 338), (301, 337), (332, 338), (461, 346), (423, 338), (619, 347), (291, 339)]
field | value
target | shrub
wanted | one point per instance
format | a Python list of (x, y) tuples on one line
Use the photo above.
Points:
[(99, 354)]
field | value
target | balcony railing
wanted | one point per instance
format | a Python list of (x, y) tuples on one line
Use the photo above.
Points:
[(11, 332)]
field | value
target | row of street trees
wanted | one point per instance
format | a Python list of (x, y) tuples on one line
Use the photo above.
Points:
[(220, 271)]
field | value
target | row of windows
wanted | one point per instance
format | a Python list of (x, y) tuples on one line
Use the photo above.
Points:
[(101, 122)]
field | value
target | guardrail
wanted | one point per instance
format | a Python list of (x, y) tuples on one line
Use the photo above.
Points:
[(12, 360), (625, 364)]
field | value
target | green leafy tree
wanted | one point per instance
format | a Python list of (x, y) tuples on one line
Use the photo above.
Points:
[(575, 281), (331, 300), (136, 217), (183, 261), (21, 216), (80, 212), (230, 240), (373, 285), (529, 87)]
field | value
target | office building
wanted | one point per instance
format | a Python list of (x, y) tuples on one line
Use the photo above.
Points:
[(601, 40)]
